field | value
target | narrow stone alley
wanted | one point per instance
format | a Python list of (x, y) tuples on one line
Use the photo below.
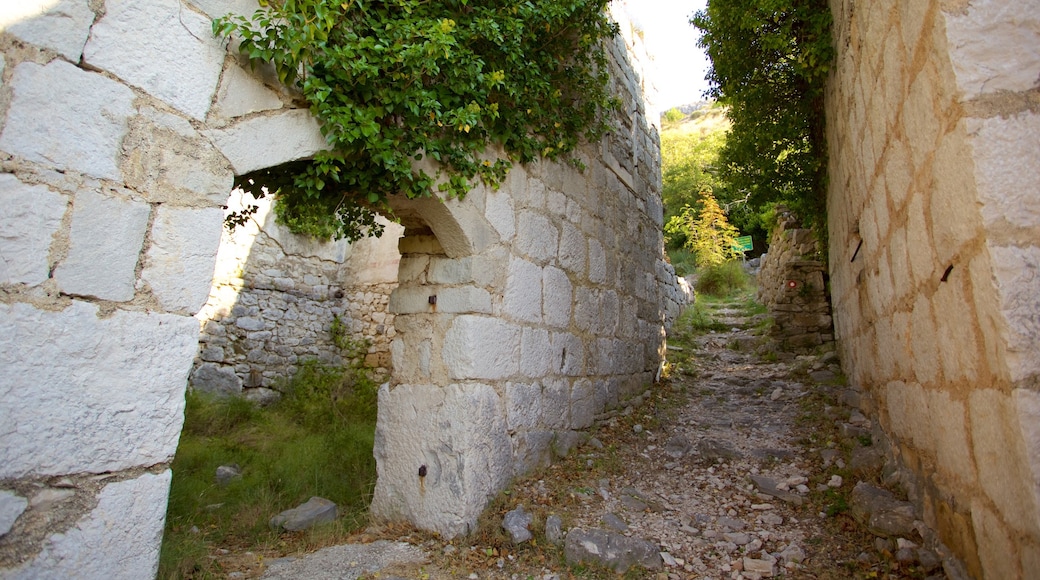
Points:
[(744, 462)]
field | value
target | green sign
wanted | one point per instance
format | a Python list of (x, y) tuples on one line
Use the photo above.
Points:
[(743, 244)]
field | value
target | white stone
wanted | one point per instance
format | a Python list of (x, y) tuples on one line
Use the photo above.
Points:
[(12, 505), (535, 352), (1007, 151), (556, 297), (161, 47), (218, 8), (1017, 275), (479, 347), (995, 46), (241, 94), (63, 116), (105, 241), (523, 406), (270, 140), (523, 295), (597, 262), (89, 394), (572, 249), (180, 260), (60, 26), (465, 299), (119, 538), (31, 216), (459, 433), (537, 237), (500, 215)]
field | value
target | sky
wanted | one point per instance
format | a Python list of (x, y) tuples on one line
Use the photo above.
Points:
[(672, 41)]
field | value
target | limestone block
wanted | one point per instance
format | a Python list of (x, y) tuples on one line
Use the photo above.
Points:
[(413, 268), (1017, 274), (160, 47), (523, 295), (261, 142), (89, 394), (180, 260), (168, 161), (583, 404), (216, 379), (32, 214), (1027, 406), (996, 550), (1006, 151), (556, 398), (119, 538), (465, 299), (536, 237), (993, 46), (568, 354), (535, 352), (556, 297), (459, 434), (218, 8), (1004, 469), (60, 26), (12, 505), (104, 244), (597, 262), (499, 213), (241, 93), (63, 116), (572, 252), (949, 422), (524, 404), (479, 347)]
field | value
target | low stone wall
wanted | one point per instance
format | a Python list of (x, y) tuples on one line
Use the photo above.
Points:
[(277, 299), (791, 285)]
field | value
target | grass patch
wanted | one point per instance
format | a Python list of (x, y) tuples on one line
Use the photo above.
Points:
[(316, 441)]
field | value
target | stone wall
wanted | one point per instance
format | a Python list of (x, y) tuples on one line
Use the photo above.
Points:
[(791, 285), (277, 298), (122, 124), (521, 314), (934, 215)]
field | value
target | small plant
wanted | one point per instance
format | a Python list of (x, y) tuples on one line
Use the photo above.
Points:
[(721, 280)]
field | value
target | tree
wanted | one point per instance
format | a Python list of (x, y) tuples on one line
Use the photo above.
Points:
[(770, 60), (688, 166), (453, 81), (708, 233)]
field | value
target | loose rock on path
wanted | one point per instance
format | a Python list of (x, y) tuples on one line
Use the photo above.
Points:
[(734, 467)]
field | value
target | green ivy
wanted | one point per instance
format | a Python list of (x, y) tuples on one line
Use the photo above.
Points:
[(770, 60), (472, 87)]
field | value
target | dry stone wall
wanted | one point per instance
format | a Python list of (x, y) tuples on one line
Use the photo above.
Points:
[(278, 299), (791, 285), (934, 215)]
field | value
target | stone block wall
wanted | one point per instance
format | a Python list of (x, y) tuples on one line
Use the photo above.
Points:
[(791, 285), (934, 215), (122, 125), (277, 298), (521, 314)]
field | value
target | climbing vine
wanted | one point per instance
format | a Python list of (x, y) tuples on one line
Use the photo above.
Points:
[(770, 60), (471, 86)]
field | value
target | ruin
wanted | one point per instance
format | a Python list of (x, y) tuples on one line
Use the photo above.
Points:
[(518, 314)]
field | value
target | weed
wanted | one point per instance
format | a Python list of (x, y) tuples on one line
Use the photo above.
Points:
[(723, 280)]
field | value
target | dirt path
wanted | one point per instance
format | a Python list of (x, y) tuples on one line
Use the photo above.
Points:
[(733, 467)]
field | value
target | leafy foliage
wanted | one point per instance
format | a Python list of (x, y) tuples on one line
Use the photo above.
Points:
[(708, 233), (466, 88), (770, 60), (688, 166)]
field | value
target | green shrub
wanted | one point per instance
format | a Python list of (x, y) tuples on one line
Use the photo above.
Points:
[(722, 280)]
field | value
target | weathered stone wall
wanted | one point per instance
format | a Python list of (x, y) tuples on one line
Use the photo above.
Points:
[(122, 124), (791, 285), (521, 314), (934, 128), (277, 298)]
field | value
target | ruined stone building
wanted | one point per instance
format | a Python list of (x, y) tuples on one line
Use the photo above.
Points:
[(507, 321)]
